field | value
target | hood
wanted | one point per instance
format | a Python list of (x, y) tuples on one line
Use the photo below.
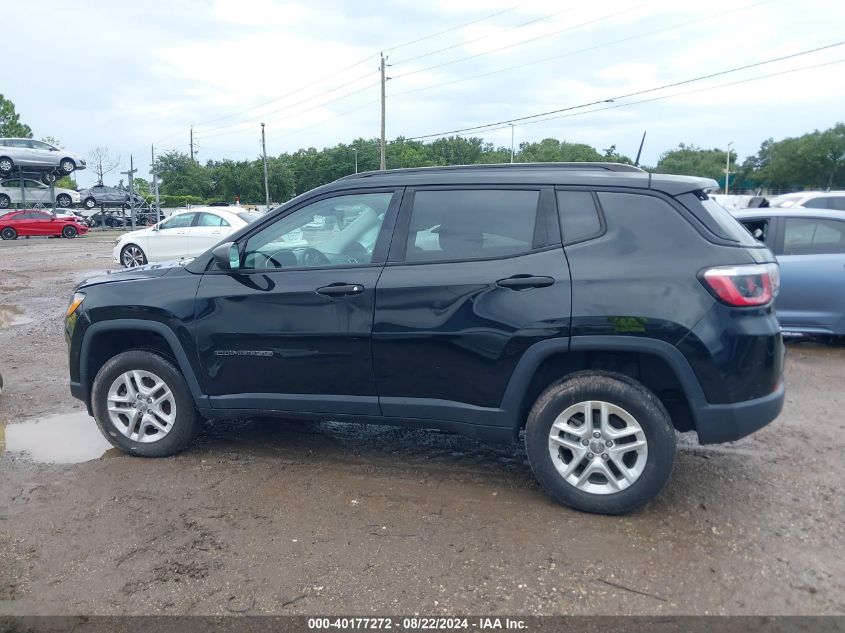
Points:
[(149, 271), (137, 233)]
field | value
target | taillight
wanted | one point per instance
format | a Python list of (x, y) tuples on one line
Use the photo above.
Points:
[(743, 286)]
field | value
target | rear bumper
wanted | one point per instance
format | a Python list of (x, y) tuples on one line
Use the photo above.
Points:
[(718, 423)]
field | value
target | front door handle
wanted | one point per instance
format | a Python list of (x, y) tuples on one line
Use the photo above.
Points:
[(521, 282), (340, 290)]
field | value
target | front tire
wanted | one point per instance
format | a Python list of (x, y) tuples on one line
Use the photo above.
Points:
[(143, 406), (69, 232), (132, 256), (67, 166), (599, 442), (9, 233), (63, 200), (6, 166)]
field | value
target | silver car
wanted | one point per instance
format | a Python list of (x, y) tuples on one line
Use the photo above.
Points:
[(34, 192), (32, 155)]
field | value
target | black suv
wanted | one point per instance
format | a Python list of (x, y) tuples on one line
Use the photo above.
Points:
[(595, 306)]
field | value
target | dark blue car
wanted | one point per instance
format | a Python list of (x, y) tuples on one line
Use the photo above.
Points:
[(810, 247)]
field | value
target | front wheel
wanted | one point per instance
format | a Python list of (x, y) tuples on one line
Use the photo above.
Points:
[(600, 442), (143, 406), (69, 232), (67, 166), (63, 200), (9, 233), (132, 256), (6, 166)]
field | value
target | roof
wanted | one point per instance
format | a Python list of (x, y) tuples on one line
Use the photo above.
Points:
[(810, 194), (791, 212), (584, 174)]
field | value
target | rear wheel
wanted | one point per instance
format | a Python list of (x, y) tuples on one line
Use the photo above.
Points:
[(9, 233), (69, 232), (89, 203), (132, 256), (67, 166), (142, 405), (5, 201), (599, 442)]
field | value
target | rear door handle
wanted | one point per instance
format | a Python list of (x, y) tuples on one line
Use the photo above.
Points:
[(341, 289), (520, 282)]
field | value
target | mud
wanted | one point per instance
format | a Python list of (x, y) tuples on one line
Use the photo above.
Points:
[(282, 517)]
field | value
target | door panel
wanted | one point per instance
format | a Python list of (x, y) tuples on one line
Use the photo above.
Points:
[(170, 241), (812, 292), (268, 340)]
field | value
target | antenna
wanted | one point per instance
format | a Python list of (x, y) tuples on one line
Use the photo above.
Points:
[(640, 151)]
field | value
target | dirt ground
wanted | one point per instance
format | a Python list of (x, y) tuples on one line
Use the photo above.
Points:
[(284, 517)]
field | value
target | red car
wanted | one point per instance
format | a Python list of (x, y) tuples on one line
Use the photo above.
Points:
[(32, 222)]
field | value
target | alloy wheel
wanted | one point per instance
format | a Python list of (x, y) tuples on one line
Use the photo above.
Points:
[(5, 165), (141, 406), (133, 256), (598, 447)]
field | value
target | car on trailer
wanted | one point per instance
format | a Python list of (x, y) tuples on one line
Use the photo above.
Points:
[(34, 192), (28, 154), (34, 222)]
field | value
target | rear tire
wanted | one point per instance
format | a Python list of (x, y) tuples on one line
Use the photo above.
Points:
[(67, 166), (177, 423), (612, 462), (89, 203), (9, 233), (69, 232), (5, 201)]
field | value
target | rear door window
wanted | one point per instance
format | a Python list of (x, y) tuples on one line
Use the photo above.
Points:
[(813, 236), (467, 224), (579, 215)]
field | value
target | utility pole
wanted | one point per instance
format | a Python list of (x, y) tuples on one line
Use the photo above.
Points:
[(130, 175), (356, 160), (266, 182), (155, 181), (192, 142), (511, 124), (728, 168), (382, 163)]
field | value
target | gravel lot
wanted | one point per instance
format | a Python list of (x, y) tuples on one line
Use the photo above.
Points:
[(285, 517)]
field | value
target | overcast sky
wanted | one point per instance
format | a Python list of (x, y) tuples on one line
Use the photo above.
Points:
[(121, 75)]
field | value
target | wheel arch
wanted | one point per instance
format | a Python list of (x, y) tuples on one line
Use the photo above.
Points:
[(658, 365), (104, 340)]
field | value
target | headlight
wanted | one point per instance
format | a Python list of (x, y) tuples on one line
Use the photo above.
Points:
[(77, 300)]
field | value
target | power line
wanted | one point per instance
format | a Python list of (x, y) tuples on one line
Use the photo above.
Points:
[(632, 94), (449, 30), (522, 42), (484, 37), (580, 50)]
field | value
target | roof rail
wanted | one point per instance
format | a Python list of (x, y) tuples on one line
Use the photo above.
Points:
[(587, 166)]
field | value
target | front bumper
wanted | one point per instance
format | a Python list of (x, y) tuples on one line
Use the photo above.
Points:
[(717, 423)]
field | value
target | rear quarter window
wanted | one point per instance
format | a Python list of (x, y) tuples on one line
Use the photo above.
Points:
[(716, 218)]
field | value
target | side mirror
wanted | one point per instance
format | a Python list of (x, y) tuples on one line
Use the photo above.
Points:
[(227, 256)]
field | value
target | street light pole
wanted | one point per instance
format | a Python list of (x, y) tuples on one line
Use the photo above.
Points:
[(266, 180), (511, 124), (728, 168)]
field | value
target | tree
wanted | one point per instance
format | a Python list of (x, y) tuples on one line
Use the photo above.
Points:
[(689, 160), (102, 162), (10, 124)]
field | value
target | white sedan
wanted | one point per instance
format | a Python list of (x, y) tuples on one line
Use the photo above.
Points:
[(34, 191), (183, 235)]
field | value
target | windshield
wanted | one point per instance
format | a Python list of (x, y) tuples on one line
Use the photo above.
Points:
[(789, 200), (248, 217)]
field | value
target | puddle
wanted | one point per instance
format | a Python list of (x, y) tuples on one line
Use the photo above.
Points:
[(68, 438), (10, 315)]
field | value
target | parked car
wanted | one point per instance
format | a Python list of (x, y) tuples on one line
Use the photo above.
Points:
[(103, 196), (598, 307), (34, 191), (30, 154), (106, 219), (31, 222), (72, 214), (181, 236), (809, 244), (810, 200)]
